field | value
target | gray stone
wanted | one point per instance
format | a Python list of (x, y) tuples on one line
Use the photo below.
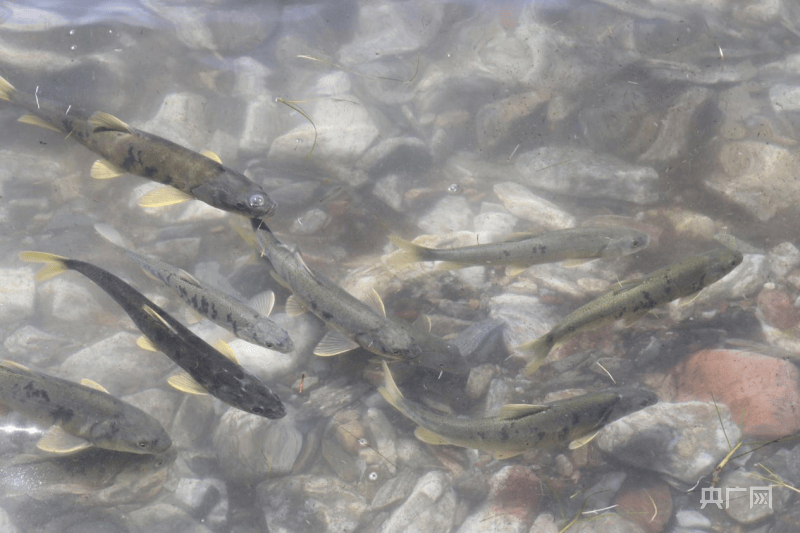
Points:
[(430, 507), (38, 346), (177, 110), (784, 97), (497, 224), (192, 422), (451, 213), (310, 222), (544, 523), (675, 126), (737, 487), (259, 128), (388, 189), (783, 259), (681, 440), (165, 518), (604, 523), (513, 492), (495, 121), (586, 174), (114, 362), (521, 202), (478, 380), (158, 403), (526, 317), (206, 499), (69, 300), (250, 447), (310, 503), (6, 524), (395, 490), (690, 519), (18, 294), (383, 439)]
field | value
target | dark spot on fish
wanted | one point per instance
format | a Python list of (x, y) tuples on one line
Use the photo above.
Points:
[(129, 160), (563, 432), (504, 434), (62, 414), (541, 435), (230, 320), (506, 253), (214, 313), (482, 435), (149, 172), (576, 418), (168, 179), (326, 315), (33, 392)]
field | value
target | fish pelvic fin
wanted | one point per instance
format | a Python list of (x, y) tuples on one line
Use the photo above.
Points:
[(6, 89), (105, 170), (186, 383), (8, 364), (334, 343), (103, 121), (164, 196), (54, 264), (35, 120), (263, 302), (146, 344), (505, 455), (225, 349), (536, 352), (56, 440), (92, 384), (389, 389), (211, 155)]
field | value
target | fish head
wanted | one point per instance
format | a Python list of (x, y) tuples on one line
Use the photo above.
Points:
[(266, 334), (720, 263), (630, 400), (634, 242), (256, 398), (234, 192), (132, 433)]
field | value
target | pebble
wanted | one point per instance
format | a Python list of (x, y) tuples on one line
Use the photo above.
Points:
[(18, 295), (681, 440), (586, 174), (784, 98), (158, 403), (176, 111), (511, 503), (430, 507), (259, 127), (394, 491), (526, 317), (690, 519), (192, 422), (783, 259), (388, 189), (761, 391), (117, 373), (478, 381), (738, 486), (250, 448), (522, 203), (494, 223), (69, 300), (776, 309), (451, 213), (675, 126), (204, 499), (496, 120), (636, 505), (310, 222), (165, 518)]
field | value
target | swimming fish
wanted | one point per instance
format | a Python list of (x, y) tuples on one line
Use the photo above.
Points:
[(208, 370), (79, 415), (522, 250), (519, 427), (186, 173), (353, 322), (633, 299), (244, 321)]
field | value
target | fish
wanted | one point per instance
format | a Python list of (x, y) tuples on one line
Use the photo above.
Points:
[(208, 371), (247, 322), (633, 299), (519, 427), (80, 415), (353, 323), (522, 250), (185, 173)]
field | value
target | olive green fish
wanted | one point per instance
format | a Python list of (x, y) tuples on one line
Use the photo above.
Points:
[(633, 299), (354, 322), (208, 371), (522, 250), (188, 174), (519, 427), (79, 415), (245, 321)]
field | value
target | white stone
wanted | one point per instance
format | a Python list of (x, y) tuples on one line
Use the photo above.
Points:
[(521, 202), (70, 300), (784, 97), (451, 213), (783, 259), (18, 295), (259, 124)]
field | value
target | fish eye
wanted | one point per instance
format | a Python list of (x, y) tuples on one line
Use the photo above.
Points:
[(257, 410), (257, 200), (142, 444), (373, 476)]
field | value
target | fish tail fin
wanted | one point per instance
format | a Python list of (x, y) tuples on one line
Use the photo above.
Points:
[(54, 264), (411, 253), (6, 89), (389, 389), (535, 352)]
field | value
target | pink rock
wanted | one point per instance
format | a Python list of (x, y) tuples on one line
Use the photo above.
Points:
[(648, 505), (777, 310), (761, 391)]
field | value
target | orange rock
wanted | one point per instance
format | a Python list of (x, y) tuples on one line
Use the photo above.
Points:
[(761, 391), (649, 506)]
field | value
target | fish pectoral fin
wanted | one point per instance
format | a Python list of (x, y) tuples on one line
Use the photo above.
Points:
[(423, 322), (629, 321), (100, 120), (186, 383), (334, 343), (164, 196), (105, 170), (583, 441), (146, 344), (225, 349), (513, 411), (211, 155), (505, 455), (35, 120), (56, 440), (92, 384), (448, 265), (8, 364), (263, 302), (294, 307), (515, 269), (373, 299), (429, 437)]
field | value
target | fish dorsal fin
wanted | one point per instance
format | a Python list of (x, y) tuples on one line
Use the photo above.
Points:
[(35, 120), (105, 170), (294, 307), (583, 441), (423, 322), (146, 344), (505, 455), (100, 120), (512, 411), (374, 301), (225, 349), (92, 384), (211, 155), (263, 302), (186, 383), (429, 437), (164, 196), (334, 343), (519, 236), (13, 365), (56, 440)]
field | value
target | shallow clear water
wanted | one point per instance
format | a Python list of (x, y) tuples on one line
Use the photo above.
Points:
[(370, 119)]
